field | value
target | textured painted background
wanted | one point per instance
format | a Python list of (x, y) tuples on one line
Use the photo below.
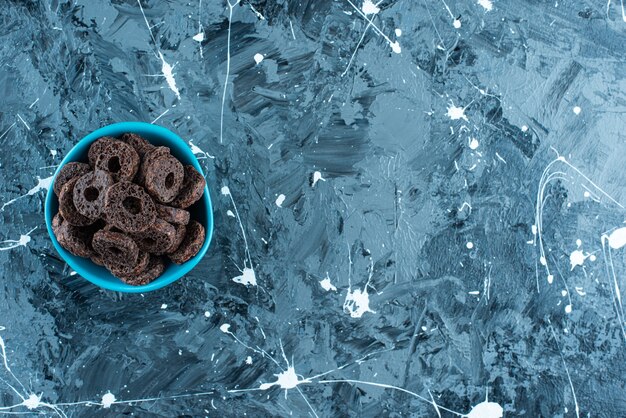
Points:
[(405, 218)]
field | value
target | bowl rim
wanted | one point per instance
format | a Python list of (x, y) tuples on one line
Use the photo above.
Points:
[(117, 129)]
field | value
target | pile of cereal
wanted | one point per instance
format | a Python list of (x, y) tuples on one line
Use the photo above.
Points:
[(126, 208)]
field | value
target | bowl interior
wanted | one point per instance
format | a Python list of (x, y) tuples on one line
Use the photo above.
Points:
[(201, 211)]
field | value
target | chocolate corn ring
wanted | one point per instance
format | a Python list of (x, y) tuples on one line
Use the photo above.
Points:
[(172, 215), (164, 177), (140, 145), (119, 159), (157, 238), (97, 147), (115, 248), (89, 193), (193, 241), (153, 270), (178, 238), (123, 269), (67, 209), (192, 189), (128, 207), (68, 172)]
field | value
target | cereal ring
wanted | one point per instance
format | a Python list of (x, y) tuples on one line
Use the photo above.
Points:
[(152, 271), (191, 190), (121, 269), (138, 143), (56, 222), (153, 154), (164, 176), (193, 241), (128, 207), (119, 159), (66, 206), (68, 172), (76, 240), (157, 238), (172, 215), (178, 238), (97, 147), (114, 247), (89, 193)]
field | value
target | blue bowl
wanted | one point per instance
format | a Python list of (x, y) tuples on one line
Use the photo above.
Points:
[(201, 211)]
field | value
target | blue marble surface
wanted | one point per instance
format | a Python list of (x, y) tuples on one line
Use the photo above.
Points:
[(419, 208)]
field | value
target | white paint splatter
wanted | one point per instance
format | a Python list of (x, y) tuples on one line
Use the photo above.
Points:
[(160, 116), (580, 291), (164, 306), (550, 278), (280, 200), (207, 314), (249, 360), (473, 143), (166, 69), (398, 32), (317, 176), (287, 379), (53, 152), (230, 21), (225, 328), (486, 409), (23, 121), (357, 301), (258, 58), (22, 242), (230, 213), (456, 23), (369, 8), (487, 4), (108, 399), (32, 402), (456, 113), (197, 151), (225, 190), (568, 308), (199, 37), (524, 128), (327, 285), (469, 245), (576, 258), (576, 110), (42, 184), (617, 239), (247, 277)]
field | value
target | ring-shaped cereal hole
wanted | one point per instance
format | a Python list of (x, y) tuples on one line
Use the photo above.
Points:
[(132, 205)]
